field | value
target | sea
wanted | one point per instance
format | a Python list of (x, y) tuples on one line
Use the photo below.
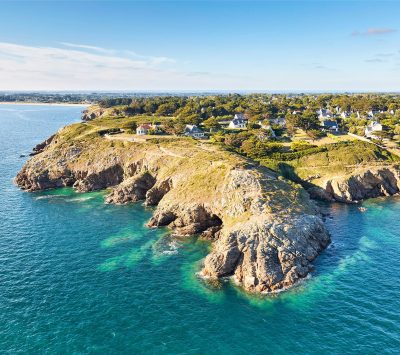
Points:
[(78, 276)]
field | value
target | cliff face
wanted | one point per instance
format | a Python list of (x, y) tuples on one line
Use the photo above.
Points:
[(359, 185), (92, 112), (265, 230), (347, 172)]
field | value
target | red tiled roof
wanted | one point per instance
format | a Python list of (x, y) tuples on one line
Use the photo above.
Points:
[(145, 126)]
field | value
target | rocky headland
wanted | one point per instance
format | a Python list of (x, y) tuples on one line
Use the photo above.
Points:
[(265, 230)]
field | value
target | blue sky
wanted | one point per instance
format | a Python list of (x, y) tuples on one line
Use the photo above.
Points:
[(200, 45)]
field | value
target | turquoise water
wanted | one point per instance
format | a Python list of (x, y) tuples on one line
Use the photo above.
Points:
[(78, 276)]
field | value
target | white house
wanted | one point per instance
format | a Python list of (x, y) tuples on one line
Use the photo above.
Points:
[(238, 122), (240, 116), (330, 125), (373, 113), (143, 129), (324, 114), (372, 128), (193, 131)]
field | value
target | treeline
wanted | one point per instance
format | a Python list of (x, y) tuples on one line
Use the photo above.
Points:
[(196, 107), (255, 106)]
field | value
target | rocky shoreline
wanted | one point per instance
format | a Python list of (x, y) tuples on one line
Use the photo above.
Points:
[(265, 230), (361, 184)]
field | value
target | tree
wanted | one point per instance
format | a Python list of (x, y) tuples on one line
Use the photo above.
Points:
[(212, 123), (292, 122), (315, 134), (166, 109), (309, 120), (174, 127), (396, 130)]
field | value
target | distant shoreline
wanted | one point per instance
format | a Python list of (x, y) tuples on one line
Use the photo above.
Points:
[(42, 104)]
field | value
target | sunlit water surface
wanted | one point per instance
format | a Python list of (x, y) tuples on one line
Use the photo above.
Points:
[(78, 276)]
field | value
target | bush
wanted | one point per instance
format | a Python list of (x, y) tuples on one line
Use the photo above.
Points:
[(297, 155), (315, 134), (300, 145)]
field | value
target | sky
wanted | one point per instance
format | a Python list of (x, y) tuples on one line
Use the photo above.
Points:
[(200, 45)]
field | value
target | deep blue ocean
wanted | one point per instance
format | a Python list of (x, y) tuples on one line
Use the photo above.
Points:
[(81, 277)]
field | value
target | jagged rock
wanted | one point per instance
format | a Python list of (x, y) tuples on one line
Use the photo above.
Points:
[(41, 146), (132, 189), (269, 255), (211, 233), (363, 183), (97, 180), (156, 193), (92, 113)]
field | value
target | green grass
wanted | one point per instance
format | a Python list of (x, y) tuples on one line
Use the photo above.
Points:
[(332, 159)]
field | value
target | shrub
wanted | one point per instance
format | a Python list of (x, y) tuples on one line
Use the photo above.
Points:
[(300, 145)]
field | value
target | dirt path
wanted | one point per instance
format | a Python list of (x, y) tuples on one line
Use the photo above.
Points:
[(345, 166), (125, 139), (172, 154)]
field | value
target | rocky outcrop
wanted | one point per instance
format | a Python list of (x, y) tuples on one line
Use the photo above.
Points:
[(265, 230), (132, 189), (92, 112), (186, 220), (361, 184), (156, 193), (40, 147), (266, 255)]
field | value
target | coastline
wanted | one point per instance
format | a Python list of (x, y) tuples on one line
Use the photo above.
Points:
[(43, 104)]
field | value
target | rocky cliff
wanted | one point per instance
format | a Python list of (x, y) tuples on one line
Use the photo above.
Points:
[(92, 112), (265, 230), (349, 172), (360, 184)]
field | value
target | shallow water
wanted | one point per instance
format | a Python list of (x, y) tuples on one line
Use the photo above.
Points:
[(79, 276)]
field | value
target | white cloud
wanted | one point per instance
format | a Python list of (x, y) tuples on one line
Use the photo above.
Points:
[(374, 31), (86, 67), (85, 46), (72, 66)]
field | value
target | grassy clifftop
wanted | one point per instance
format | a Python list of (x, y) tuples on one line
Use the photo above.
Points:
[(201, 169), (329, 161)]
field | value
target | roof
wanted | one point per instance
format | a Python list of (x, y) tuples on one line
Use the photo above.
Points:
[(192, 129), (373, 126), (324, 112), (145, 126), (239, 121), (329, 123)]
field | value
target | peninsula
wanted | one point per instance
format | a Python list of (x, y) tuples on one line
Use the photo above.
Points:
[(237, 170)]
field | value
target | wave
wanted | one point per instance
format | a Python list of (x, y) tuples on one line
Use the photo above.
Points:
[(65, 198), (48, 197), (81, 199), (166, 246)]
